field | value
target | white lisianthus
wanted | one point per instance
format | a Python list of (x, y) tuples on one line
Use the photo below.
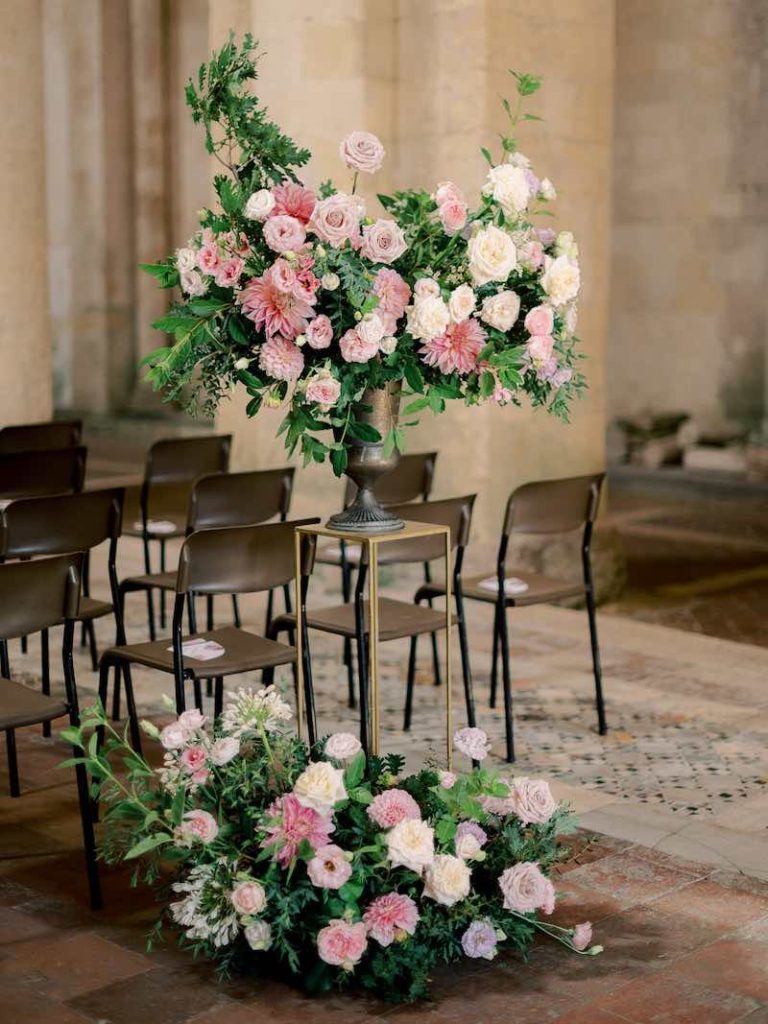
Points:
[(492, 255), (501, 310), (565, 245), (186, 260), (320, 786), (461, 303), (388, 345), (260, 204), (508, 185), (330, 282), (561, 280), (258, 935), (411, 844), (547, 190), (446, 880), (242, 363), (428, 318), (371, 328), (193, 283)]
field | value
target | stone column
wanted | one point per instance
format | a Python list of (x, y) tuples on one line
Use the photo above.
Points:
[(25, 340)]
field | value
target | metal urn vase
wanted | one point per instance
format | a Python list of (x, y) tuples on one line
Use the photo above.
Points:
[(379, 408)]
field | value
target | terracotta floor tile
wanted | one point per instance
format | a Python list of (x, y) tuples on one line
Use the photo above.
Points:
[(670, 999), (629, 879), (590, 1014), (16, 927), (158, 996), (651, 937), (730, 965), (22, 1005), (712, 903), (576, 903)]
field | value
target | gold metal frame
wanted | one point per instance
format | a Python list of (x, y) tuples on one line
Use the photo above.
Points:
[(372, 542)]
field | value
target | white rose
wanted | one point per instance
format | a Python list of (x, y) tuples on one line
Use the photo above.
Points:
[(492, 255), (446, 880), (547, 190), (320, 786), (223, 750), (468, 847), (565, 245), (371, 328), (411, 844), (193, 283), (186, 260), (427, 318), (260, 205), (501, 310), (388, 345), (561, 280), (330, 282), (258, 935), (342, 746), (461, 303), (508, 185), (426, 287)]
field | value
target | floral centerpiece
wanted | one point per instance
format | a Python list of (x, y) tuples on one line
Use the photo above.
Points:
[(312, 302), (314, 863)]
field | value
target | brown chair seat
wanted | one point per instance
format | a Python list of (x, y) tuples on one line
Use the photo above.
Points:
[(397, 619), (243, 652), (20, 706), (541, 589), (159, 580), (93, 608)]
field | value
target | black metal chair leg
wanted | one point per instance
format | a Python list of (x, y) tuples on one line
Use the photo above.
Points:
[(495, 657), (91, 631), (507, 683), (289, 609), (409, 685), (351, 695), (151, 614), (45, 673), (104, 667), (596, 666), (198, 689), (309, 689), (5, 668), (466, 669), (435, 650), (236, 612), (270, 611), (218, 699), (162, 592), (133, 718), (89, 840), (13, 764), (209, 611), (24, 645), (362, 675)]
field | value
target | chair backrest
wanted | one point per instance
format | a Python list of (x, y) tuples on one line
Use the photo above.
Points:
[(238, 559), (410, 480), (180, 460), (27, 437), (455, 513), (32, 473), (31, 527), (37, 594), (553, 506), (240, 499)]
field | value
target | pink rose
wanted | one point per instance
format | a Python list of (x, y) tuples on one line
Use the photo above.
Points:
[(391, 916), (362, 151), (319, 332), (393, 291), (532, 801), (540, 320), (337, 219), (355, 350), (342, 944), (284, 233), (479, 940), (453, 216), (248, 898), (393, 806), (539, 347), (193, 759), (383, 241), (525, 889), (582, 936), (208, 258), (198, 826), (329, 868), (342, 746), (323, 388), (229, 272), (448, 192)]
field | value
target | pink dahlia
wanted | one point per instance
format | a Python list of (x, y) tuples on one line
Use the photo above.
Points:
[(290, 824), (393, 806), (391, 916), (456, 349), (294, 200), (281, 359), (394, 293), (265, 301)]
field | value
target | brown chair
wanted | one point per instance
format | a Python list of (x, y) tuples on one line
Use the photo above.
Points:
[(33, 473), (544, 507), (233, 560), (27, 437), (34, 596), (34, 527), (400, 619), (172, 467)]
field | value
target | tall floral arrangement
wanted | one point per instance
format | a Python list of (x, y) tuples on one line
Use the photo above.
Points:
[(316, 863), (305, 297)]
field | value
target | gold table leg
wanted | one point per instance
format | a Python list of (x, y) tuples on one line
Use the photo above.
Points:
[(299, 639), (373, 643), (448, 637)]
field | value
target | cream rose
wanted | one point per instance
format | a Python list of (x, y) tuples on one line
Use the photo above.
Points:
[(248, 898), (561, 280), (492, 255), (342, 746), (411, 844), (508, 185), (446, 880), (426, 288), (260, 204), (427, 318), (371, 328), (362, 151), (320, 786), (501, 310), (330, 281), (461, 303)]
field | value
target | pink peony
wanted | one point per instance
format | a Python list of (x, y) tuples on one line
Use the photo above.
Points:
[(540, 320), (393, 806), (453, 216), (336, 220), (391, 916), (457, 348), (319, 332), (208, 258), (472, 742), (472, 828), (229, 272), (265, 301), (329, 868), (532, 801), (284, 234), (362, 151), (323, 388), (539, 347), (294, 200), (355, 350), (290, 823), (582, 936), (281, 359), (394, 293), (479, 940), (383, 241), (341, 943), (525, 888), (198, 826)]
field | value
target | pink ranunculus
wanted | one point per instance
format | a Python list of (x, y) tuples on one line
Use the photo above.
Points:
[(288, 823), (480, 940), (355, 350), (208, 258), (448, 192), (393, 806), (294, 200), (281, 358), (319, 332), (323, 388), (526, 888), (391, 916), (383, 241), (540, 320), (198, 826), (283, 276), (582, 936), (532, 801), (362, 151), (393, 291), (284, 233), (457, 348), (342, 943), (193, 759), (472, 828), (229, 272), (539, 347), (276, 311), (472, 742), (329, 868), (248, 897), (336, 220), (453, 216)]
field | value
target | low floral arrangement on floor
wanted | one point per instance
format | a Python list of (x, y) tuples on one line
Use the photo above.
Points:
[(335, 870), (306, 298)]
